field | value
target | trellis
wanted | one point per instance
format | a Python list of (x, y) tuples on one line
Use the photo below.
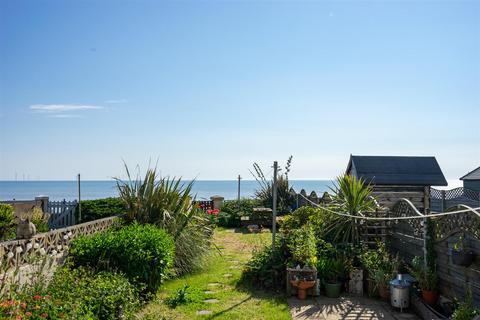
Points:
[(443, 199)]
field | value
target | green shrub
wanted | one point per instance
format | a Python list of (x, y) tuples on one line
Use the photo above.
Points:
[(167, 203), (267, 267), (302, 246), (40, 220), (102, 208), (143, 253), (73, 294), (7, 230), (232, 211)]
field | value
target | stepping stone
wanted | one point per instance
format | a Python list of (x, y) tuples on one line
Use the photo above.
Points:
[(227, 275), (213, 284), (211, 301), (203, 312), (210, 292)]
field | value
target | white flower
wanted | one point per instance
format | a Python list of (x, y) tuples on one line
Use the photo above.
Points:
[(10, 255), (19, 249), (42, 251), (36, 246), (29, 246)]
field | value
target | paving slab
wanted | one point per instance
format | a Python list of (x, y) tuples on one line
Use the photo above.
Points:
[(203, 312), (211, 301), (345, 308)]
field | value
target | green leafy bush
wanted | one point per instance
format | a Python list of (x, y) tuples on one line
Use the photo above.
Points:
[(465, 310), (40, 219), (167, 203), (73, 294), (302, 246), (233, 210), (267, 267), (6, 222), (144, 253), (332, 270), (102, 208)]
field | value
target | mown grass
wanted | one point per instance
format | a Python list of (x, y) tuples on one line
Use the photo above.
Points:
[(235, 301)]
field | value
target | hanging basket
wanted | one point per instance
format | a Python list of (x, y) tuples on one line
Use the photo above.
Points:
[(462, 258)]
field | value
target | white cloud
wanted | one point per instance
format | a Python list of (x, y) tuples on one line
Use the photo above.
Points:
[(115, 101), (63, 116), (59, 108)]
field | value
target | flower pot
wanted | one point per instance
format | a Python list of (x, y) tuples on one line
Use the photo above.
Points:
[(332, 290), (462, 258), (384, 292), (430, 297), (302, 287)]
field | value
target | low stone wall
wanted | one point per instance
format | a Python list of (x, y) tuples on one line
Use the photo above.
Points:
[(16, 253)]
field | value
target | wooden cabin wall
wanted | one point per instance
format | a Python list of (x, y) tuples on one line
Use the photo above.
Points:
[(387, 196)]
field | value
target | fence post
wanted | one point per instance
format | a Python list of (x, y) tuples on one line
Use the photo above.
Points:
[(444, 201)]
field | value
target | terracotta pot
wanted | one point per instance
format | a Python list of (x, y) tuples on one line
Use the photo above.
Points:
[(430, 297), (302, 287), (384, 292)]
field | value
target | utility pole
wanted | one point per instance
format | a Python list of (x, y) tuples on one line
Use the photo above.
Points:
[(274, 205), (79, 200), (238, 195)]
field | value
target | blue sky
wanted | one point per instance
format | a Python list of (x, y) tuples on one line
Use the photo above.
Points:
[(208, 87)]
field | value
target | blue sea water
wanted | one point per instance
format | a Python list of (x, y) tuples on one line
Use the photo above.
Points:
[(204, 189)]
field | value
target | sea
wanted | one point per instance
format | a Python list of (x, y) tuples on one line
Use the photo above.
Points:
[(203, 189)]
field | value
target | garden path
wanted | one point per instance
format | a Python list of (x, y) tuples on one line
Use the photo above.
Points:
[(346, 307)]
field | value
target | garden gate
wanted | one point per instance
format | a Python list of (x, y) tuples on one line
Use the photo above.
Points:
[(62, 213)]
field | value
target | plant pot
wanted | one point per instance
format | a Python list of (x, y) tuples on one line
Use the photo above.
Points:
[(384, 292), (332, 290), (430, 297), (302, 287), (462, 258)]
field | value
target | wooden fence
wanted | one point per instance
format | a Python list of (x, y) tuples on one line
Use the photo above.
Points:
[(440, 200), (407, 238), (62, 213)]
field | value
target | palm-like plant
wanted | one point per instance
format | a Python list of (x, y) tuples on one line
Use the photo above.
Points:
[(351, 196), (168, 204)]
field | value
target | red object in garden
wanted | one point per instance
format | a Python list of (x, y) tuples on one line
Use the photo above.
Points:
[(213, 211), (430, 297)]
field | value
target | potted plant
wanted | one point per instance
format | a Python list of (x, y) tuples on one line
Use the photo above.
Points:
[(331, 270), (460, 255), (301, 244), (381, 279), (427, 281)]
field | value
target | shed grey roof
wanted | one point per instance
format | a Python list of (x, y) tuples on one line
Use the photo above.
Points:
[(472, 175), (395, 170)]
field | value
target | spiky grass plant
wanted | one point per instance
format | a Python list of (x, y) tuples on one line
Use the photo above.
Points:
[(285, 198), (350, 196), (168, 204)]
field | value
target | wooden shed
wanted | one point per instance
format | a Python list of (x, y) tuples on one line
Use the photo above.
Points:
[(472, 180), (397, 177)]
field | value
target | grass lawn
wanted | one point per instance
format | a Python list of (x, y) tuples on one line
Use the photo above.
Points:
[(218, 280)]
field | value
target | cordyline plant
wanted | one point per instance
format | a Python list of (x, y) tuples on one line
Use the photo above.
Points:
[(168, 204), (350, 196), (284, 198)]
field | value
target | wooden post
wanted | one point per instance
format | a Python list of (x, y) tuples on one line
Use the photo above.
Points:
[(426, 211), (238, 195), (274, 204), (444, 201), (79, 200)]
